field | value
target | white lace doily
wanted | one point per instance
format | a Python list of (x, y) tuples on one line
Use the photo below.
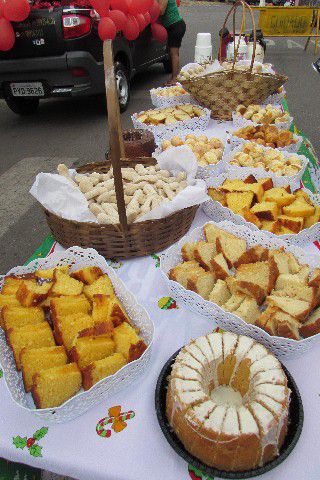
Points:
[(281, 179), (235, 142), (160, 101), (218, 212), (283, 348), (161, 132), (274, 99), (240, 122), (78, 258)]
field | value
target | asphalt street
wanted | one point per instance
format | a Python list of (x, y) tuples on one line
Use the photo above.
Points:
[(75, 131)]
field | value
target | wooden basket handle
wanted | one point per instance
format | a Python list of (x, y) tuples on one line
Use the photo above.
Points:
[(233, 10), (115, 131)]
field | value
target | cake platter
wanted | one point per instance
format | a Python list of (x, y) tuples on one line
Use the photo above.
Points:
[(295, 424)]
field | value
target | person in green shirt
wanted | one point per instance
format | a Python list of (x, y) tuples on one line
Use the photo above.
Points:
[(176, 28)]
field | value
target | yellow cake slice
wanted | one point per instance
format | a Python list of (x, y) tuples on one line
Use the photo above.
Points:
[(49, 272), (101, 286), (63, 284), (88, 349), (67, 329), (56, 385), (100, 369), (62, 306), (7, 301), (34, 360), (124, 337), (87, 275), (21, 316), (31, 294)]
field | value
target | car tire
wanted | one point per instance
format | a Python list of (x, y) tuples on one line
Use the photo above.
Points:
[(167, 64), (123, 85), (23, 106)]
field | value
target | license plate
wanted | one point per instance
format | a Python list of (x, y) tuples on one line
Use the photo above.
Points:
[(30, 89)]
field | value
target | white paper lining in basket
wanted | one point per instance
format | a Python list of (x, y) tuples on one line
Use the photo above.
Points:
[(163, 102), (202, 172), (235, 142), (240, 122), (161, 132), (284, 348), (218, 212), (281, 179), (83, 401), (275, 99)]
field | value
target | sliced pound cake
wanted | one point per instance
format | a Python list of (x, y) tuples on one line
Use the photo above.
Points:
[(89, 349), (99, 369), (16, 317)]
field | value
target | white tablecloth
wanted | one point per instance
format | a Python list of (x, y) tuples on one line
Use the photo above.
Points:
[(140, 451)]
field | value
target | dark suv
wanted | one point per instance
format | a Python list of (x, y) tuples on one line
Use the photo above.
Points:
[(58, 53)]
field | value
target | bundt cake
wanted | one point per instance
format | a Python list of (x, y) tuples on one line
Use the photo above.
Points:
[(227, 401)]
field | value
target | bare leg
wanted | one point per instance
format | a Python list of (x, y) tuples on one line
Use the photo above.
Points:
[(175, 62)]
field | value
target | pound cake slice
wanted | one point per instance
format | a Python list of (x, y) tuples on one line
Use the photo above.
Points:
[(100, 369), (204, 252), (87, 275), (31, 294), (231, 247), (65, 285), (125, 336), (7, 301), (54, 386), (256, 279), (62, 306), (67, 329), (29, 336), (21, 316), (90, 349), (101, 286), (34, 360), (49, 272)]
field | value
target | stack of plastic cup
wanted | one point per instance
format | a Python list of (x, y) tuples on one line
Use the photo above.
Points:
[(203, 49)]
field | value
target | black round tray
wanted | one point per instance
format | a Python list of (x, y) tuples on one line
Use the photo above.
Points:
[(294, 428)]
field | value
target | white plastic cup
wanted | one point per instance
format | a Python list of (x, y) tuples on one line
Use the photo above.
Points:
[(204, 40), (202, 53)]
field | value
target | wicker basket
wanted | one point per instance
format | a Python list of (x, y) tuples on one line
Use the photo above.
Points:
[(112, 241), (223, 91)]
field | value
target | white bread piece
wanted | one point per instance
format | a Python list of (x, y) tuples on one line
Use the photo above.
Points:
[(248, 310), (220, 267), (312, 325), (298, 309), (187, 251), (231, 247), (220, 293), (204, 252), (286, 325), (256, 279), (292, 287), (201, 283), (234, 302)]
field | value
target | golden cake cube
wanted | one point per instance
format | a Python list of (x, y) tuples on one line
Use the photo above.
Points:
[(62, 306), (67, 329), (101, 286), (48, 273), (88, 349), (100, 369), (87, 275), (125, 336), (16, 317), (65, 285), (31, 294)]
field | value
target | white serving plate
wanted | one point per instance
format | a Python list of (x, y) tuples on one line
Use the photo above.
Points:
[(284, 348), (78, 258), (218, 212)]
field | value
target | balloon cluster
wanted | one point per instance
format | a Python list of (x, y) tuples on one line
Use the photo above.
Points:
[(11, 11), (130, 17)]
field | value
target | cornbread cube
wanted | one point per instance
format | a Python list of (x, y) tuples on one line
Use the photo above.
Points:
[(7, 301), (90, 349), (100, 308), (117, 313), (67, 329), (312, 219), (11, 285), (266, 183), (31, 294), (49, 273), (62, 306), (65, 285), (99, 369), (299, 208), (270, 226), (125, 336), (237, 201), (217, 196), (54, 386), (279, 195), (294, 224), (101, 286), (87, 275), (251, 217), (29, 336), (34, 360), (16, 317)]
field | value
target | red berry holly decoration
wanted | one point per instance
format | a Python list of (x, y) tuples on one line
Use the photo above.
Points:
[(34, 449)]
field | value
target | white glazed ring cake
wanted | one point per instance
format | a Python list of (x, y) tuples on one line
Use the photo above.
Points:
[(228, 401)]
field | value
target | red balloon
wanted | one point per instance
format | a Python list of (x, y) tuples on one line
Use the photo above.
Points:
[(141, 21), (159, 32), (118, 18), (154, 11), (16, 10), (147, 18), (122, 5), (107, 29), (178, 3), (1, 8), (7, 36), (101, 6), (139, 6), (131, 30)]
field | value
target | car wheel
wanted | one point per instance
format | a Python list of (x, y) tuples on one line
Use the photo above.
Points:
[(123, 85), (167, 64), (23, 106)]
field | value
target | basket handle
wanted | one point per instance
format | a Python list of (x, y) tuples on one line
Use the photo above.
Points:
[(115, 131), (233, 11)]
